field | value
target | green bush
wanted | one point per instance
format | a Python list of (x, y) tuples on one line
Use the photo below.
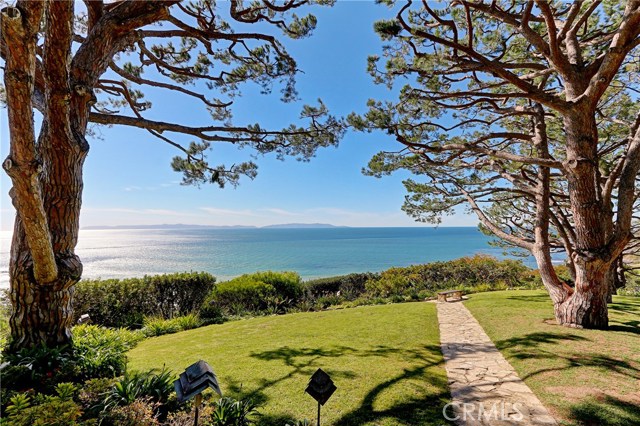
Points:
[(43, 410), (210, 313), (154, 326), (39, 368), (471, 273), (100, 352), (350, 286), (140, 412), (180, 294), (92, 394), (272, 292), (153, 386), (287, 285), (95, 352), (231, 412), (125, 303)]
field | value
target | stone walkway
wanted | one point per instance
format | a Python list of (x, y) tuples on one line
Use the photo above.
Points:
[(485, 388)]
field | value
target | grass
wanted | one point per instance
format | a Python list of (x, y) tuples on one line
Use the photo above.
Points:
[(585, 377), (385, 361)]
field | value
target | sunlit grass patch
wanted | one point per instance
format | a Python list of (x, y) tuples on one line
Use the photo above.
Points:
[(574, 372), (385, 361)]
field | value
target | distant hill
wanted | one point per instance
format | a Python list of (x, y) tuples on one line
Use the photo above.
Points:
[(303, 225), (185, 226), (168, 226)]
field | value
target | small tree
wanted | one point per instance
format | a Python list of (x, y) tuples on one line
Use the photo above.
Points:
[(545, 145), (77, 68)]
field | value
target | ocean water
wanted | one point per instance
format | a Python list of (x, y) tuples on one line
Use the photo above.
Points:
[(227, 253)]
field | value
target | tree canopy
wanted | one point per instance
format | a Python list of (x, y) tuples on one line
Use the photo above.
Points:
[(83, 64), (525, 112)]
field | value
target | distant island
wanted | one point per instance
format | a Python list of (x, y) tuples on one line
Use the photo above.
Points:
[(186, 226)]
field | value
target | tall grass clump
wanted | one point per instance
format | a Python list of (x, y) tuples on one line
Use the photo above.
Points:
[(155, 326)]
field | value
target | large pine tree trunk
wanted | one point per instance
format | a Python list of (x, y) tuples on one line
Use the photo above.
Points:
[(587, 306), (41, 314)]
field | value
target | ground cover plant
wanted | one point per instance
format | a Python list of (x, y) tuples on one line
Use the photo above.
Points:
[(385, 361), (585, 377)]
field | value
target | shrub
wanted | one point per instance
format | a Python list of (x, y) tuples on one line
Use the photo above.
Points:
[(231, 412), (141, 412), (157, 386), (101, 352), (125, 303), (287, 285), (472, 273), (95, 352), (92, 394), (58, 410), (254, 293), (210, 313), (39, 368), (180, 294), (350, 286), (154, 326), (114, 303), (188, 322)]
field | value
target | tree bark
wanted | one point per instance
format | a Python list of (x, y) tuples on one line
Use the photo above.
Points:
[(587, 306)]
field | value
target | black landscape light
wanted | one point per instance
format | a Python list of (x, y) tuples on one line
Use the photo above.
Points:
[(195, 380), (321, 388)]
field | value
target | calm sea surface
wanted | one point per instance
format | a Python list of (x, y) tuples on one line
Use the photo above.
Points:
[(228, 253)]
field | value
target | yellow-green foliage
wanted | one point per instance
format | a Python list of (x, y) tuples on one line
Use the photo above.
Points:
[(154, 326), (471, 273), (256, 292)]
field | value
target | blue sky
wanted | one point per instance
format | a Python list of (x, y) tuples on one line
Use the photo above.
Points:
[(128, 179)]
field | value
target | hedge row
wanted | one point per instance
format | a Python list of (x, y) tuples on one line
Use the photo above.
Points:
[(348, 286), (125, 303), (467, 272)]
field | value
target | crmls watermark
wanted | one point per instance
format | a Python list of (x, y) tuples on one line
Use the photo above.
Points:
[(480, 411)]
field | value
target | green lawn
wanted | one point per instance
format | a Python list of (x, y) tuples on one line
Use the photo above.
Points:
[(585, 377), (385, 361)]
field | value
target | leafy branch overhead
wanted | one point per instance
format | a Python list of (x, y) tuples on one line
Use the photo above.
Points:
[(207, 52), (526, 113), (90, 63)]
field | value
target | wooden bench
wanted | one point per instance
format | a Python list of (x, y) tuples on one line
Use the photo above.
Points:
[(442, 295)]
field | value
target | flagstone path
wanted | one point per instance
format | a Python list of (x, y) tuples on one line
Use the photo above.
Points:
[(485, 388)]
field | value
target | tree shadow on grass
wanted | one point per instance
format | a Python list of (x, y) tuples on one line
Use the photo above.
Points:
[(632, 326), (625, 307), (528, 347), (302, 362), (424, 410), (606, 411), (539, 298), (410, 411), (533, 340)]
